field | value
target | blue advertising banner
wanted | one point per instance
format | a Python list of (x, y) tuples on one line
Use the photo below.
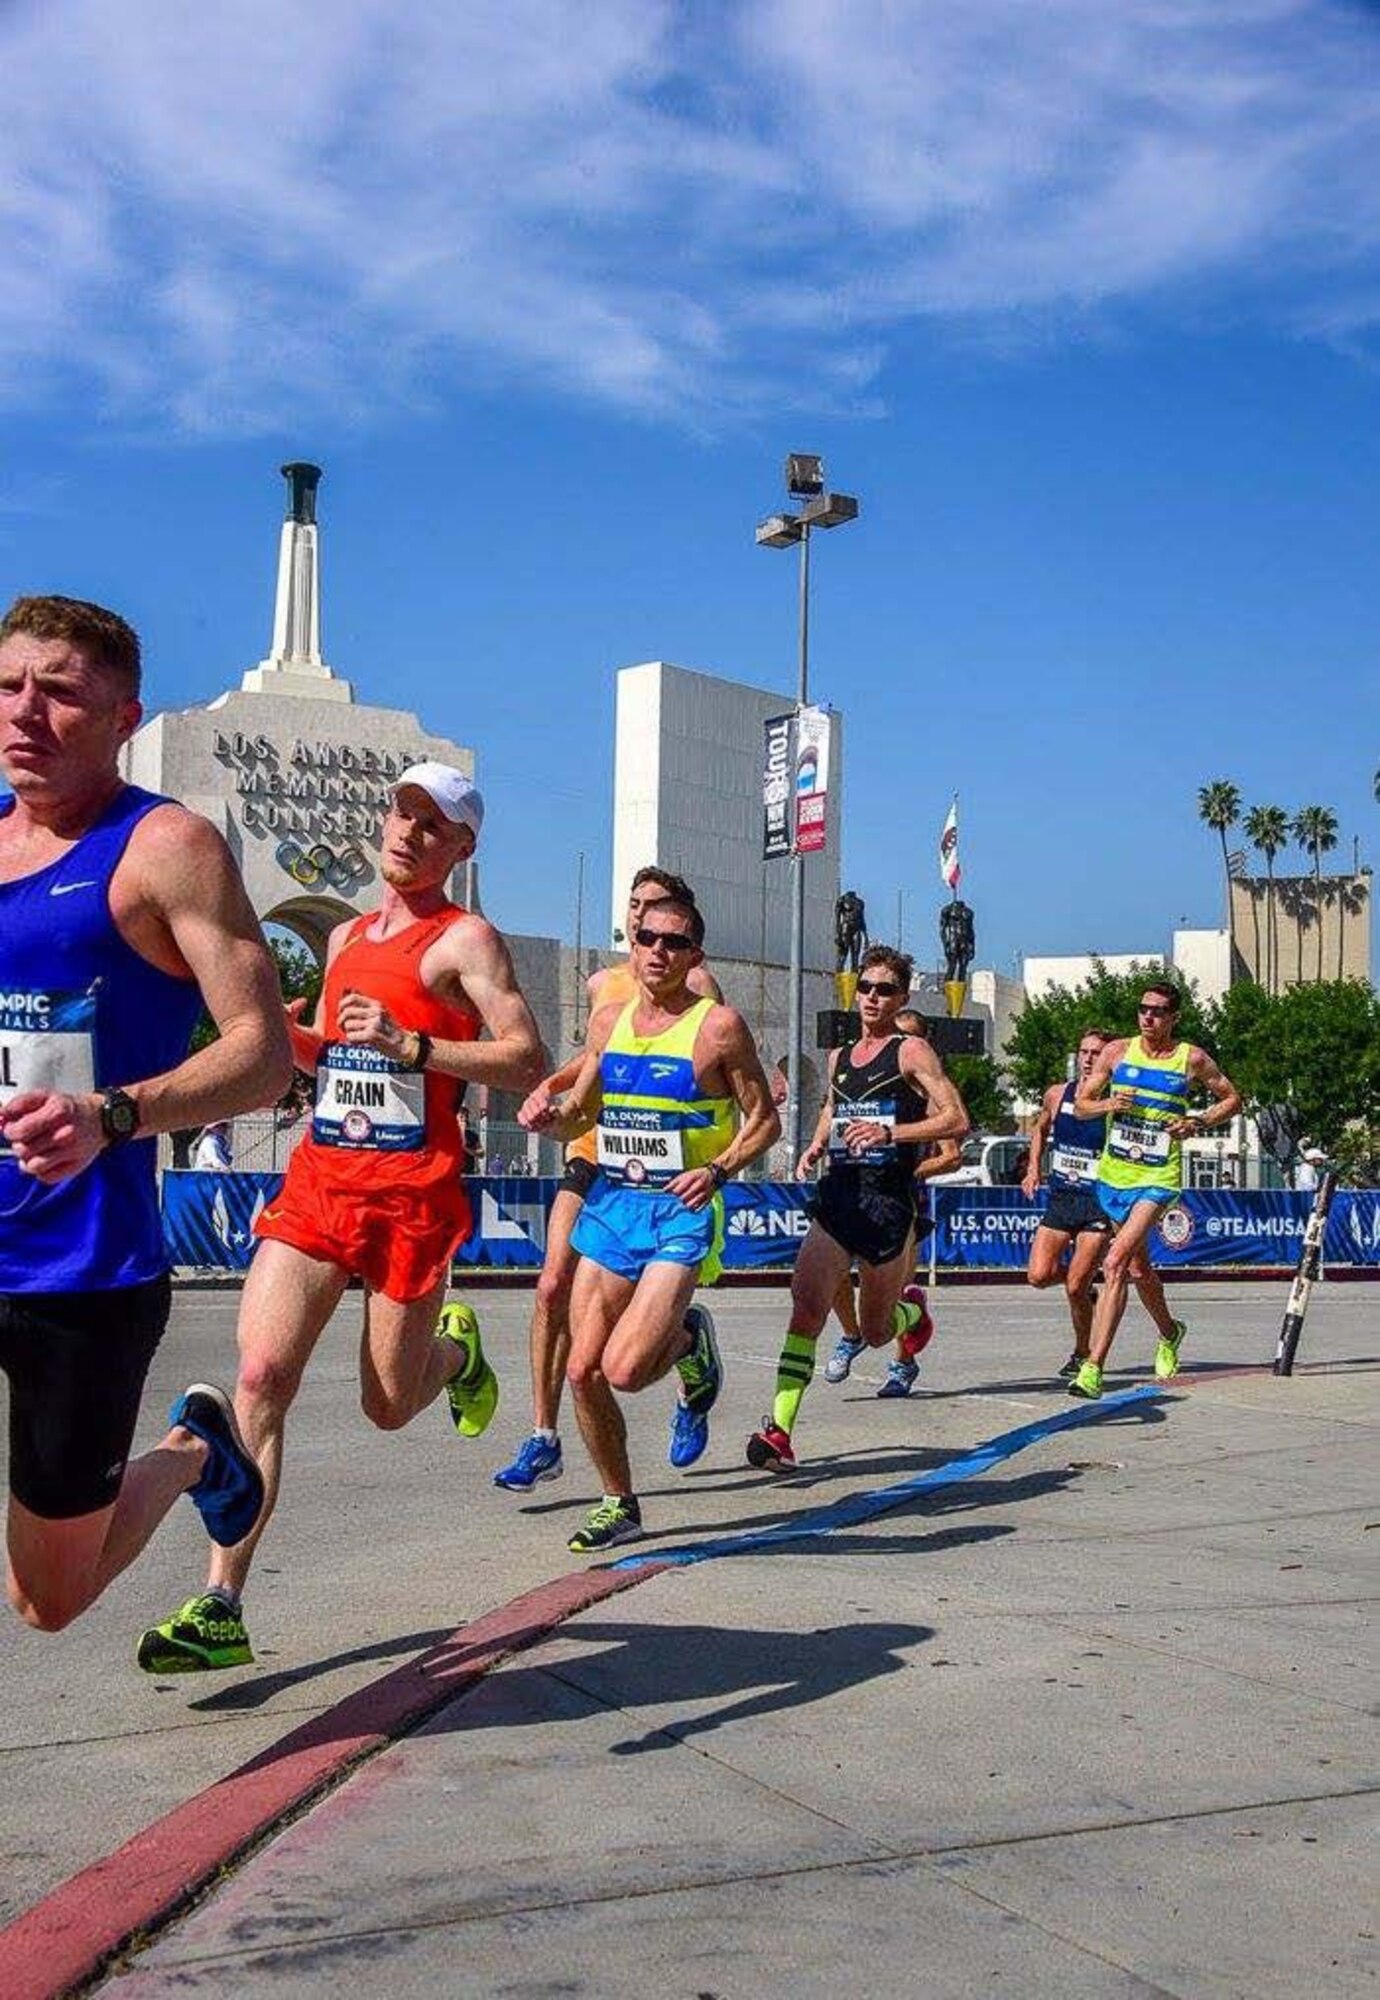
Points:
[(1353, 1228), (208, 1222)]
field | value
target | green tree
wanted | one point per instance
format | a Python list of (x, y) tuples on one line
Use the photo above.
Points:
[(1219, 806), (983, 1091), (1306, 1061), (1267, 829), (1315, 828), (1047, 1030)]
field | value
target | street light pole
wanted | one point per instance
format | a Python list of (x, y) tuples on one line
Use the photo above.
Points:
[(795, 1030), (822, 509)]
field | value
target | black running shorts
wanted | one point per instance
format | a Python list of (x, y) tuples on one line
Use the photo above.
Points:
[(1072, 1210), (867, 1216), (76, 1363)]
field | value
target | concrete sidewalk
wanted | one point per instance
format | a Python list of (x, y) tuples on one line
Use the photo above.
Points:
[(1094, 1720)]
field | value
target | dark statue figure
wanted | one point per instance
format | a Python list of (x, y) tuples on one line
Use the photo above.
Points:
[(957, 937), (850, 929)]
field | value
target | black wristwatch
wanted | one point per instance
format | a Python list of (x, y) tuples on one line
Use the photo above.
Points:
[(424, 1046), (717, 1173), (119, 1117)]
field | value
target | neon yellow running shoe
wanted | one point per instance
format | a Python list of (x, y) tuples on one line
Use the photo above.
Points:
[(202, 1635), (472, 1391), (1167, 1353), (1087, 1382)]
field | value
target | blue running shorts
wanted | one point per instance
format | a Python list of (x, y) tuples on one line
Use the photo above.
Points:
[(1117, 1202), (626, 1229)]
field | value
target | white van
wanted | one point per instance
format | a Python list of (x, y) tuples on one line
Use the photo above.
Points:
[(989, 1160)]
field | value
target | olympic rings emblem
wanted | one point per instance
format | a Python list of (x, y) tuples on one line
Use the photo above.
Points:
[(311, 866)]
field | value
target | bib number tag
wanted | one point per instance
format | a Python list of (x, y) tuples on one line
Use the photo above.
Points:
[(366, 1102), (1144, 1142), (47, 1042), (1074, 1163), (845, 1114), (637, 1149)]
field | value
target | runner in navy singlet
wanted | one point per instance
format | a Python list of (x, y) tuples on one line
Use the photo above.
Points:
[(120, 914)]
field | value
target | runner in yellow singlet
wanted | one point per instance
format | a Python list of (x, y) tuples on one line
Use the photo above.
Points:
[(539, 1456), (674, 1084), (1141, 1087)]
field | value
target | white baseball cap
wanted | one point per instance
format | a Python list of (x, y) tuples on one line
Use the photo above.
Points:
[(450, 789)]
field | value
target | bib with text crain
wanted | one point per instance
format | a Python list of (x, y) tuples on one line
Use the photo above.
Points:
[(367, 1101), (46, 1043)]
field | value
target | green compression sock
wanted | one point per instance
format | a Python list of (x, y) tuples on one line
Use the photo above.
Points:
[(793, 1372), (904, 1316)]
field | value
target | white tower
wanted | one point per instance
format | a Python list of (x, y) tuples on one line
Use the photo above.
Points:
[(295, 665)]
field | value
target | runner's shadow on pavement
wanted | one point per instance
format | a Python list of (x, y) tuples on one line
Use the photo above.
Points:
[(964, 1496), (762, 1672), (254, 1693)]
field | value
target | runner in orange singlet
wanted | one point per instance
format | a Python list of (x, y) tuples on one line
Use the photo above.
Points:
[(373, 1189), (539, 1456)]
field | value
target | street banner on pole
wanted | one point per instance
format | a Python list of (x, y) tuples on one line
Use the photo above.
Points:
[(949, 870), (776, 787), (811, 779)]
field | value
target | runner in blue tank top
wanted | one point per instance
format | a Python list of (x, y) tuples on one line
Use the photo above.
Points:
[(1074, 1221), (120, 913)]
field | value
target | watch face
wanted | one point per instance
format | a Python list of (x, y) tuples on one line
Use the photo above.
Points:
[(119, 1115)]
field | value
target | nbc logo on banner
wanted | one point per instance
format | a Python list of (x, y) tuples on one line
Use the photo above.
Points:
[(949, 869)]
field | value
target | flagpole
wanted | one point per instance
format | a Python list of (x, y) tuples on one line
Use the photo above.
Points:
[(795, 998)]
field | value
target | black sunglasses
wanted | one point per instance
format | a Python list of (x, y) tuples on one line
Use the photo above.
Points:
[(887, 986), (668, 940), (1144, 1009)]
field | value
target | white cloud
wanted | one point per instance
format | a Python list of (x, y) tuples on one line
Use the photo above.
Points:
[(211, 216)]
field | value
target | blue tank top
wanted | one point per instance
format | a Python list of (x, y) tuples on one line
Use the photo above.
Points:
[(80, 1010), (1075, 1146)]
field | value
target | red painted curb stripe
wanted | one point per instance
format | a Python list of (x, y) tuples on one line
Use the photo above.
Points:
[(67, 1939)]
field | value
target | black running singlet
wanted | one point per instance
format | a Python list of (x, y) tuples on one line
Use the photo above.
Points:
[(877, 1091)]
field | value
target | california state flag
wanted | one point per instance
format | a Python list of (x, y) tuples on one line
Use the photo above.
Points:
[(949, 870)]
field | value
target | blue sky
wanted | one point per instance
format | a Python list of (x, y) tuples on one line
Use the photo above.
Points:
[(1082, 302)]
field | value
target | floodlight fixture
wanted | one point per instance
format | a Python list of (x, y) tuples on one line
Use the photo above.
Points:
[(779, 532), (804, 475), (830, 510)]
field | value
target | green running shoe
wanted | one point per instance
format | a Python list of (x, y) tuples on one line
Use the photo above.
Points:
[(611, 1522), (201, 1636), (1167, 1353), (1087, 1382), (472, 1391)]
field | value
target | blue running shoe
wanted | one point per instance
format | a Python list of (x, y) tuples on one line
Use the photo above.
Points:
[(837, 1367), (539, 1458), (229, 1495), (689, 1435), (900, 1379)]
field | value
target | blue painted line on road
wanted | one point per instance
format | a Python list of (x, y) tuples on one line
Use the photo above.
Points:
[(865, 1506)]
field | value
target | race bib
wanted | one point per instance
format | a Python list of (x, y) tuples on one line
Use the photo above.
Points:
[(845, 1114), (368, 1102), (1144, 1142), (638, 1148), (47, 1042), (1074, 1163)]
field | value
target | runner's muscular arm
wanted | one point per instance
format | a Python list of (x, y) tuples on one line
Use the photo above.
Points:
[(947, 1117), (730, 1054), (1039, 1132), (1204, 1070), (566, 1111), (1089, 1101), (179, 902)]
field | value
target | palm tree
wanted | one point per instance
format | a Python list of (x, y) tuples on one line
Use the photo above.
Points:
[(1219, 806), (1267, 829), (1315, 828)]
